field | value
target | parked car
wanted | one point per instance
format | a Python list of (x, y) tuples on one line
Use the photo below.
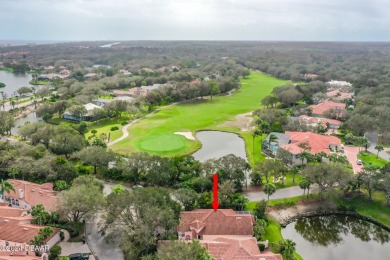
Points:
[(78, 256), (359, 162)]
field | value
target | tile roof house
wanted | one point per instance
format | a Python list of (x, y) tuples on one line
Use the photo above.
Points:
[(313, 122), (231, 248), (28, 194), (226, 234), (321, 108), (199, 222), (17, 231), (318, 143)]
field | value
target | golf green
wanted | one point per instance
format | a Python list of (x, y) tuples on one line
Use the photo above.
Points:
[(163, 142)]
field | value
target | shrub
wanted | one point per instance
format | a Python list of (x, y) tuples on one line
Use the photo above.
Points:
[(55, 251), (62, 236), (124, 123), (261, 247), (114, 128)]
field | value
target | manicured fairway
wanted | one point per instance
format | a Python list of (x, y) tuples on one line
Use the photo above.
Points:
[(155, 134)]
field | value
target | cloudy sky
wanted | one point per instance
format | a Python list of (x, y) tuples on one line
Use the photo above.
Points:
[(303, 20)]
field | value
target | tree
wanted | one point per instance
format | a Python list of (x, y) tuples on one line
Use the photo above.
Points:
[(96, 156), (6, 186), (183, 250), (305, 185), (260, 209), (272, 139), (287, 248), (328, 176), (6, 122), (141, 218), (379, 148), (41, 216), (43, 92), (294, 171), (269, 189), (24, 90), (269, 168), (77, 111), (186, 197), (2, 85), (82, 128), (259, 229), (82, 200), (369, 180), (60, 185), (214, 89)]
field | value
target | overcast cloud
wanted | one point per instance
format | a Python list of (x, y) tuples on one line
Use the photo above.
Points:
[(306, 20)]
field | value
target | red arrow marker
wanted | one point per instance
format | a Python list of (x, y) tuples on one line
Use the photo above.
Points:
[(215, 203)]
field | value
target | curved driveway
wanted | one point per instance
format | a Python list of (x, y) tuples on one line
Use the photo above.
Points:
[(290, 192)]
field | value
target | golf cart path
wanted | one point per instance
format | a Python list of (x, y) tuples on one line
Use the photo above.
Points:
[(124, 129)]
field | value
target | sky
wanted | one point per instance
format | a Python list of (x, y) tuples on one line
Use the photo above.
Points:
[(264, 20)]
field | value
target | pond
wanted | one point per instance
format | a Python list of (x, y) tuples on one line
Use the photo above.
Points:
[(216, 144), (14, 81), (32, 117), (338, 237)]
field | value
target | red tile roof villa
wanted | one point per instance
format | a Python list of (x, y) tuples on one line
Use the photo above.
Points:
[(318, 143), (320, 108), (28, 194)]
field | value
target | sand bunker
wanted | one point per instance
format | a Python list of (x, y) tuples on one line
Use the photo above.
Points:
[(187, 135), (243, 121)]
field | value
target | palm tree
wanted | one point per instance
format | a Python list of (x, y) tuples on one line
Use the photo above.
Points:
[(304, 154), (5, 186), (379, 148), (305, 185), (294, 171), (272, 139), (13, 103)]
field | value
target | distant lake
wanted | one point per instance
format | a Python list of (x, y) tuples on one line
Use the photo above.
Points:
[(216, 144), (32, 117), (14, 81), (338, 237)]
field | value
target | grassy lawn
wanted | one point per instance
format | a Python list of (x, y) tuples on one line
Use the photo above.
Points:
[(200, 115), (39, 82), (105, 125), (370, 159), (375, 208), (60, 121), (288, 182)]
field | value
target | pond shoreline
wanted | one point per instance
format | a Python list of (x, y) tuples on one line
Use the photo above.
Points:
[(320, 211)]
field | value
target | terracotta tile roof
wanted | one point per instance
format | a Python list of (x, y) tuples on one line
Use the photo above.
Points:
[(320, 108), (6, 211), (221, 222), (18, 255), (235, 248), (318, 143), (318, 120), (14, 230), (338, 95), (35, 194)]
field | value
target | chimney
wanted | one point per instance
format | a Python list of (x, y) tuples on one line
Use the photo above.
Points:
[(21, 193)]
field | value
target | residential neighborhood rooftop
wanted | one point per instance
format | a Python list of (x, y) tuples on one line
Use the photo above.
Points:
[(321, 108)]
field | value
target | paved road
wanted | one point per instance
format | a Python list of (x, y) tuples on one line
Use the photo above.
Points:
[(373, 137), (97, 242), (279, 194)]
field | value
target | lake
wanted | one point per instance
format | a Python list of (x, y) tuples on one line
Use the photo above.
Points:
[(216, 144), (14, 81), (338, 237), (32, 117)]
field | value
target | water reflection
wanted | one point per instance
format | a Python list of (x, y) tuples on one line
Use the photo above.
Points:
[(331, 230)]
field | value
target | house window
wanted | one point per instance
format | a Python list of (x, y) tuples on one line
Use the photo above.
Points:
[(13, 201), (17, 202)]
